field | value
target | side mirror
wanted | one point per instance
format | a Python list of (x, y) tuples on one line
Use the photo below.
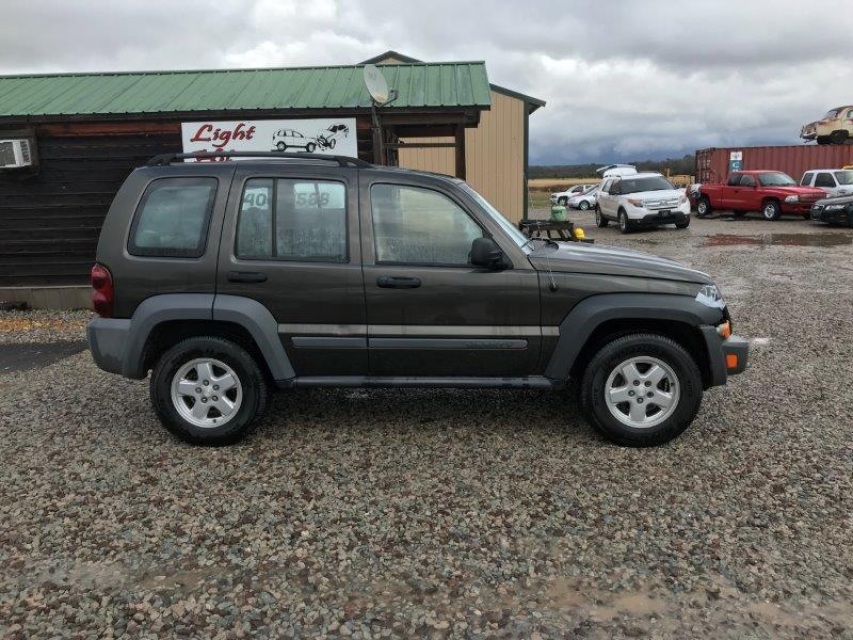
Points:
[(485, 252)]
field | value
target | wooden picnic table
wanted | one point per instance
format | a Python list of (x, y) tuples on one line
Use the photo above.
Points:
[(535, 228)]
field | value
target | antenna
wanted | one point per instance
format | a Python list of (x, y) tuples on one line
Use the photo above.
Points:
[(380, 96), (376, 85)]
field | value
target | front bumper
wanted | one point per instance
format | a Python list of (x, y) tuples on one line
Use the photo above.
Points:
[(661, 217), (726, 357), (798, 208), (843, 215)]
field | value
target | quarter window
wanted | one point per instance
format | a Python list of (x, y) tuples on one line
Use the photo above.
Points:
[(419, 226), (173, 218), (292, 219)]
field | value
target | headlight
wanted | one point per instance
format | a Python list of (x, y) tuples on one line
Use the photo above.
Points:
[(711, 296), (635, 202), (792, 199), (834, 207), (682, 200)]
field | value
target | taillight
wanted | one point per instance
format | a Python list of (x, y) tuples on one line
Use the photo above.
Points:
[(103, 294)]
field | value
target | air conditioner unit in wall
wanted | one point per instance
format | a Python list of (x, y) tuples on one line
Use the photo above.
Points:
[(15, 154)]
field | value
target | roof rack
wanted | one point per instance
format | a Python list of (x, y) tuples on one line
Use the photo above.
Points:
[(342, 161)]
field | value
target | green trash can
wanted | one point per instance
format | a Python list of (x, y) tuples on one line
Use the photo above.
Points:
[(558, 213)]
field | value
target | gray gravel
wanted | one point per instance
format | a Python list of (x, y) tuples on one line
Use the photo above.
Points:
[(437, 514)]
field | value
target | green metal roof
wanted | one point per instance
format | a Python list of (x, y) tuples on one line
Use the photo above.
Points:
[(450, 84)]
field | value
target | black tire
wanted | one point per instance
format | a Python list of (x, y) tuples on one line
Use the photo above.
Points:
[(684, 224), (823, 139), (683, 383), (251, 390), (281, 146), (583, 205), (703, 207), (771, 210), (624, 223), (838, 136), (562, 201), (600, 220), (332, 143), (309, 148)]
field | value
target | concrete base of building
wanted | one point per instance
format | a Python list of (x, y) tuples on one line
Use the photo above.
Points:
[(69, 297)]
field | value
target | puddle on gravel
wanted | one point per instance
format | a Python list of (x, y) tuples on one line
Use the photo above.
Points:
[(784, 239), (34, 355)]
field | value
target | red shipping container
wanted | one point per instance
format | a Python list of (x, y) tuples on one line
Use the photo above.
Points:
[(712, 165)]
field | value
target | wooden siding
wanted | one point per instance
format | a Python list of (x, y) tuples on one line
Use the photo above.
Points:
[(50, 220), (494, 156)]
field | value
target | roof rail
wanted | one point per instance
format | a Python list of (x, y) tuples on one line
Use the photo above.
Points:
[(343, 161)]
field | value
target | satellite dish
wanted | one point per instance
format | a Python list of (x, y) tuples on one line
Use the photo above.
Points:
[(376, 85)]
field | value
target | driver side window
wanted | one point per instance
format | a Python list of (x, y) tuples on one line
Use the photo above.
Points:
[(419, 226)]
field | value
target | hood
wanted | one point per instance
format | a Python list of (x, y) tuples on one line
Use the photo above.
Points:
[(796, 190), (846, 199), (580, 257)]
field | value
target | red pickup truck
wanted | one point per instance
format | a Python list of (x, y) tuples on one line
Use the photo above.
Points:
[(770, 192)]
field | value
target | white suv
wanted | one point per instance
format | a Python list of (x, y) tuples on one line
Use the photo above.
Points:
[(642, 199), (836, 182)]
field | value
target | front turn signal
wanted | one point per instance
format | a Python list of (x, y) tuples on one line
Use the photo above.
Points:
[(731, 361), (725, 329)]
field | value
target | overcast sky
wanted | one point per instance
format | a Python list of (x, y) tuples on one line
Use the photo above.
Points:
[(624, 79)]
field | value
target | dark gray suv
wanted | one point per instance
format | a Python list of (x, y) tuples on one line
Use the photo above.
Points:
[(226, 279)]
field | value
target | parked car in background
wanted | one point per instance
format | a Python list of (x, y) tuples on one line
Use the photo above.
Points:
[(285, 139), (584, 201), (836, 182), (834, 211), (836, 127), (770, 192), (562, 197), (642, 199)]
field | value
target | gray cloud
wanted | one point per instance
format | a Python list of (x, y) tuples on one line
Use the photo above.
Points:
[(627, 79)]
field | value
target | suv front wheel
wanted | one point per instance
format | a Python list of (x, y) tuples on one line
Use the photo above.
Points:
[(208, 391), (641, 390)]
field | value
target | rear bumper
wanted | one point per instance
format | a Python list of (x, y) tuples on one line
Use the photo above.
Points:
[(108, 341)]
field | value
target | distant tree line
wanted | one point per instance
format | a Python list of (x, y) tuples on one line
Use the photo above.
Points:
[(675, 166)]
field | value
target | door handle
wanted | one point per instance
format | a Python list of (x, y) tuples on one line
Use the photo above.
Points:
[(397, 282), (246, 276)]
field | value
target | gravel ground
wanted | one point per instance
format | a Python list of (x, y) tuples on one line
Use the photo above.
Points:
[(468, 514)]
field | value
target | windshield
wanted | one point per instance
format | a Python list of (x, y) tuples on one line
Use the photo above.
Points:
[(653, 183), (776, 179), (844, 177), (517, 236)]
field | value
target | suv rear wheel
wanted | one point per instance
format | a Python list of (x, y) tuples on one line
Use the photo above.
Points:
[(641, 390), (208, 390)]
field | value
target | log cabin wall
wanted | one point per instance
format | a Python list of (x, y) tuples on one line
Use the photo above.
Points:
[(50, 217)]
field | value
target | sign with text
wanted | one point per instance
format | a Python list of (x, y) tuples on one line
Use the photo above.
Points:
[(318, 135)]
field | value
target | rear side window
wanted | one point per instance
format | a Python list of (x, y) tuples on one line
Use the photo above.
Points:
[(292, 219), (824, 180), (173, 218), (734, 180)]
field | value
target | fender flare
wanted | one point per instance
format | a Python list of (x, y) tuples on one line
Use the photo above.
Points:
[(580, 323), (251, 315)]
